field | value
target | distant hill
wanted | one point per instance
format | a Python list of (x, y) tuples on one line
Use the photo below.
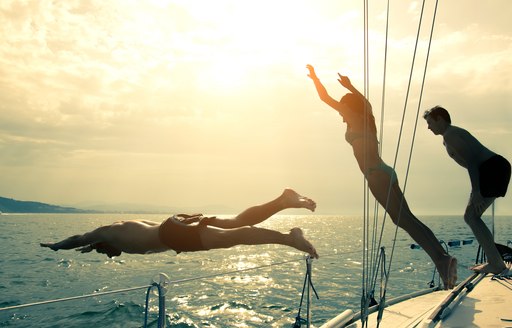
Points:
[(8, 205)]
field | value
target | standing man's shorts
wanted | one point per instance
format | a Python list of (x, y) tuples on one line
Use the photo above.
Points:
[(494, 177)]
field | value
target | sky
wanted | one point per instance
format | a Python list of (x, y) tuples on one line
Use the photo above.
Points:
[(207, 104)]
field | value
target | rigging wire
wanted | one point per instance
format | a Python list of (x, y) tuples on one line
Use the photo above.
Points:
[(366, 197), (371, 281), (370, 276), (376, 245), (423, 82), (416, 122)]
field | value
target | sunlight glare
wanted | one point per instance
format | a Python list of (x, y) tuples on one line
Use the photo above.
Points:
[(239, 39), (227, 73)]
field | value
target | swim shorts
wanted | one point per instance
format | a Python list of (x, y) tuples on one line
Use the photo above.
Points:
[(384, 168), (180, 236), (494, 176)]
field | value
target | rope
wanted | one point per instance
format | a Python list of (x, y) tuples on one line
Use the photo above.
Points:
[(162, 290), (307, 282), (383, 278), (147, 304)]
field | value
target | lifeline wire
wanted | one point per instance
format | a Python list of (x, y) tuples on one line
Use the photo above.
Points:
[(365, 233), (414, 133), (125, 290), (381, 144), (365, 255)]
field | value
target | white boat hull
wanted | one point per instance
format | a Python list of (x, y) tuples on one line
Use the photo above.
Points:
[(479, 301)]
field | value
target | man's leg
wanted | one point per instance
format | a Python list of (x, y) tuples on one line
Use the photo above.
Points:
[(259, 213), (473, 218), (213, 238)]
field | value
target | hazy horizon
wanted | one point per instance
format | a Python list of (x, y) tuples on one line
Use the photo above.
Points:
[(215, 209)]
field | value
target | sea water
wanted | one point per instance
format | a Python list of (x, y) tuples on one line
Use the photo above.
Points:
[(245, 286)]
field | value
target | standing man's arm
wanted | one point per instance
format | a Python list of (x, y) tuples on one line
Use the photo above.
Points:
[(460, 146)]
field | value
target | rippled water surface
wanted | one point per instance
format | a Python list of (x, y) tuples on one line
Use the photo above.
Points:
[(264, 297)]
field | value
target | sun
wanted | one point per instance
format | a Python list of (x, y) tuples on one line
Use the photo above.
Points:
[(226, 74), (225, 45), (236, 41)]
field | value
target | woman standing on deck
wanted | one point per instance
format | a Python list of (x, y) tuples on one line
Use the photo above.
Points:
[(361, 134)]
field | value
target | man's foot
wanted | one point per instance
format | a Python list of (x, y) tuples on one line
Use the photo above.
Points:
[(448, 272), (49, 245), (302, 244), (488, 268), (507, 273), (291, 199), (452, 270)]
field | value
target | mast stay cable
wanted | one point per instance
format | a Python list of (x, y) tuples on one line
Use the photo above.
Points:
[(370, 261)]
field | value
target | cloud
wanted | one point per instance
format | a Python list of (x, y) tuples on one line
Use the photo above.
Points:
[(123, 100)]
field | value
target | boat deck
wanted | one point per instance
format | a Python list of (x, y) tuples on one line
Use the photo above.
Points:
[(479, 301), (487, 305)]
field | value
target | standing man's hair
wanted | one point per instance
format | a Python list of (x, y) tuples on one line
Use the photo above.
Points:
[(437, 112)]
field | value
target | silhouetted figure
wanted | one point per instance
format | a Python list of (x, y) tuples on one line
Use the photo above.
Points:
[(361, 134), (191, 233), (489, 174)]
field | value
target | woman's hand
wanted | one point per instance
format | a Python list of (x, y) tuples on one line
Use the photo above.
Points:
[(344, 81), (312, 74)]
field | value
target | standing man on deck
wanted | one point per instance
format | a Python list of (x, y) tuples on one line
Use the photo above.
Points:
[(489, 174)]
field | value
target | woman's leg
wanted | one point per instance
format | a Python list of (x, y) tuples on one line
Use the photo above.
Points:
[(213, 238), (398, 209), (259, 213)]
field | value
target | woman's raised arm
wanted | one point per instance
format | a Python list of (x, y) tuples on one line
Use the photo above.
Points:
[(322, 92)]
